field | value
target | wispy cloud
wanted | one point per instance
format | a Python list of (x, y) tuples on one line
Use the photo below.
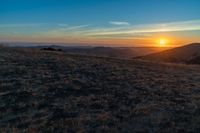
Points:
[(76, 27), (150, 28), (119, 23), (118, 30)]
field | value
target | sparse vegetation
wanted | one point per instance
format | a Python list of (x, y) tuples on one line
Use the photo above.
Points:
[(50, 91), (51, 49)]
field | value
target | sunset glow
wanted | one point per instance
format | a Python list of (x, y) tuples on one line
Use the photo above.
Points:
[(163, 42), (101, 22)]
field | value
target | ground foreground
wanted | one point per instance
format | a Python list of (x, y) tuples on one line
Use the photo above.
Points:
[(58, 92)]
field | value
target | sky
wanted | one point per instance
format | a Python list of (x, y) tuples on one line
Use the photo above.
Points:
[(100, 22)]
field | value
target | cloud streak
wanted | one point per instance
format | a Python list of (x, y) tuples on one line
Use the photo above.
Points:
[(76, 27), (118, 30), (119, 23), (150, 28)]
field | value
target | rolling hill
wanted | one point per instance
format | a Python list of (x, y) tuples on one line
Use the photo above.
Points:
[(185, 54), (52, 91), (115, 52)]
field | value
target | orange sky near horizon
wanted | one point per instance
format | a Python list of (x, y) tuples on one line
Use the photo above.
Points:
[(118, 42)]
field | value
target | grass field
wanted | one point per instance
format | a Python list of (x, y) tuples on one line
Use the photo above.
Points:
[(43, 91)]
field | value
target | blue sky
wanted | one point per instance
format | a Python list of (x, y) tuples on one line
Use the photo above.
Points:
[(98, 21)]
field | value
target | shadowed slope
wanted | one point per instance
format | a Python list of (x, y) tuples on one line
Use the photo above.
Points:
[(186, 54)]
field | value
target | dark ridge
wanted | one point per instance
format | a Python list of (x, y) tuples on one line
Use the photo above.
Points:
[(185, 54)]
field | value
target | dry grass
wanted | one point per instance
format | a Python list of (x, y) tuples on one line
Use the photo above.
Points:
[(58, 92)]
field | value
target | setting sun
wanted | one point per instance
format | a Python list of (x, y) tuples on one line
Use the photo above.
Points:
[(162, 42)]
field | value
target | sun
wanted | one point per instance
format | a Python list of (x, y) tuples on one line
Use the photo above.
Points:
[(162, 42)]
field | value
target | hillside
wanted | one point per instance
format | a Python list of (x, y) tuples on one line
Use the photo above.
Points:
[(115, 52), (44, 91), (185, 54)]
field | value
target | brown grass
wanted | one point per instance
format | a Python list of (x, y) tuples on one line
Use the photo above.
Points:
[(44, 91)]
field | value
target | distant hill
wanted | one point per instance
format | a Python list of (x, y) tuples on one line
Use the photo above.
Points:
[(185, 54), (116, 52), (102, 51)]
